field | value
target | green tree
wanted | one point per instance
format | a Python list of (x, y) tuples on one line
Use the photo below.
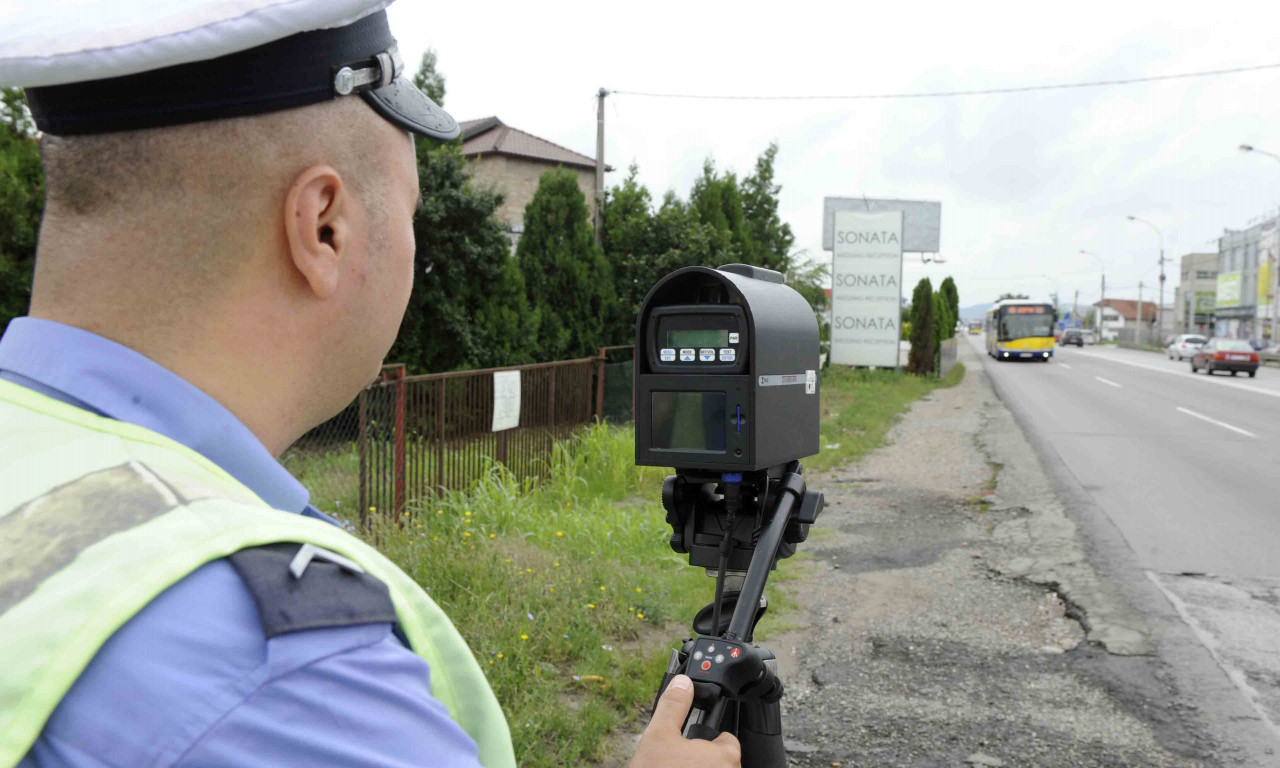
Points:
[(468, 308), (922, 318), (948, 289), (21, 204), (428, 80), (769, 237), (567, 278), (1014, 296)]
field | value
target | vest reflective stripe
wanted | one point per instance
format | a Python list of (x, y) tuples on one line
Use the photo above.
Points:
[(98, 517)]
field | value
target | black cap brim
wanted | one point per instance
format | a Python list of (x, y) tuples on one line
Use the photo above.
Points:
[(404, 105)]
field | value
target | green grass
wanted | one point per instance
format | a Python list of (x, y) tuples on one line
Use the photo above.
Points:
[(860, 405), (565, 588)]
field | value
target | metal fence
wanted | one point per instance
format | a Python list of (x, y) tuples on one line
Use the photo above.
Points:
[(407, 438)]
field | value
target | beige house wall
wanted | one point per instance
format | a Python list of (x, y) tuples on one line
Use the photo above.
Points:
[(517, 179)]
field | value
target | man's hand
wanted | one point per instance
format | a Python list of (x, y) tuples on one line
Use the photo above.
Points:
[(662, 746)]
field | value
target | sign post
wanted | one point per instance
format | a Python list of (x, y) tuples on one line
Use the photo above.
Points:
[(866, 288)]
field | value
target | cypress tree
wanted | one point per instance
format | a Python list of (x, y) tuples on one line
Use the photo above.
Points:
[(922, 344)]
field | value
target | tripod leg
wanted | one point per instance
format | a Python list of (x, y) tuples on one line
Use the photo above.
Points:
[(760, 734)]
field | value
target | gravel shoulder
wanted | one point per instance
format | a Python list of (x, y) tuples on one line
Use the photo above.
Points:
[(950, 616)]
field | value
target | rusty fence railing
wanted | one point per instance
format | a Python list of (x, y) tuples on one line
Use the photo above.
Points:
[(421, 435), (409, 437)]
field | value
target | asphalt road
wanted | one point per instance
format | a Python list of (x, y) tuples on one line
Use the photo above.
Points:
[(1186, 466)]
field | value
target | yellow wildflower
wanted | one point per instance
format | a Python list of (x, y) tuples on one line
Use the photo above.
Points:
[(524, 637)]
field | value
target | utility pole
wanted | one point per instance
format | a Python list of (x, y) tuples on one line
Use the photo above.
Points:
[(1160, 306), (1075, 306), (1102, 297), (1139, 334), (600, 166)]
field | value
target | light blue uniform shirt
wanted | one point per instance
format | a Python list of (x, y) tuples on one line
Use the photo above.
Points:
[(191, 680)]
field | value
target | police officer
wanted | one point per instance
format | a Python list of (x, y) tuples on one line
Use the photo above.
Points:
[(225, 257)]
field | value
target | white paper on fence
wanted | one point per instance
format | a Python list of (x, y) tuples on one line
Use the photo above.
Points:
[(506, 400)]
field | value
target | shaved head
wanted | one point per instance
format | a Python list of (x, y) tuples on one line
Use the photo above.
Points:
[(266, 259), (195, 196)]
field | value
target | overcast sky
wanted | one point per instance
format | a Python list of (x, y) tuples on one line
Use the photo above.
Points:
[(1026, 180)]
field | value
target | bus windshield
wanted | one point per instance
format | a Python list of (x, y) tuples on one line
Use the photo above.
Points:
[(1022, 322)]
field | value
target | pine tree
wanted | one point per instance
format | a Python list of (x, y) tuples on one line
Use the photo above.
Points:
[(567, 278), (922, 343), (468, 308)]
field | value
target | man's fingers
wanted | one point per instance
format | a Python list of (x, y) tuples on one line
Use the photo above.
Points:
[(729, 744), (674, 705)]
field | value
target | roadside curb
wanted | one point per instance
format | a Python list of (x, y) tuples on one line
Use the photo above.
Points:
[(1044, 545)]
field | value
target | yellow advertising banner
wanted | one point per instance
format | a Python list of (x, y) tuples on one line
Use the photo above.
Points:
[(1228, 289)]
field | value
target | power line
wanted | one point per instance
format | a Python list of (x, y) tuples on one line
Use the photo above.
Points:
[(949, 94)]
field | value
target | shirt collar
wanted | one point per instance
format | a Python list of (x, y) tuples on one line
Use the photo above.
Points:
[(120, 383)]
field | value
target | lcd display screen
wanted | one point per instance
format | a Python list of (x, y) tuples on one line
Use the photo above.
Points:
[(712, 337), (689, 421)]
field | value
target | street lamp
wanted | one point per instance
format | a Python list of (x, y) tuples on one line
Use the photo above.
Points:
[(1251, 148), (1275, 291), (1160, 306), (1102, 294)]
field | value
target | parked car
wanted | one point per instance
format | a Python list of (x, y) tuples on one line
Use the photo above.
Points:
[(1226, 355), (1072, 336), (1184, 345)]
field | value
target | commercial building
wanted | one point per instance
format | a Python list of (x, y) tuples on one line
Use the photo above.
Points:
[(1196, 294), (1246, 282)]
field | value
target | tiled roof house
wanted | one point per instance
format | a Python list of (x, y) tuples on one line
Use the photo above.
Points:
[(512, 161)]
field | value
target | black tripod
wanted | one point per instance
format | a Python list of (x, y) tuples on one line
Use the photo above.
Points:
[(741, 524)]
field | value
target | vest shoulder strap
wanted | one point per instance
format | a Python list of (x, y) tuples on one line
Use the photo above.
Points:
[(297, 590)]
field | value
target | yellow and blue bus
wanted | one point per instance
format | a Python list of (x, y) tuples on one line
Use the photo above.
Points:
[(1021, 330)]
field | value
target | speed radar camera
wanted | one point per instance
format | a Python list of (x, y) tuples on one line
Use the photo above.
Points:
[(726, 393), (725, 371)]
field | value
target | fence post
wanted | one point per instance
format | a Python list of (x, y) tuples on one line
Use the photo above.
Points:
[(399, 443), (600, 387), (440, 391), (364, 461), (551, 397)]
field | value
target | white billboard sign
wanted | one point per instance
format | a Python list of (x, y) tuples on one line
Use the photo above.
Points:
[(866, 288)]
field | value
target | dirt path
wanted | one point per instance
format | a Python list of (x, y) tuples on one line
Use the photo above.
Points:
[(937, 630)]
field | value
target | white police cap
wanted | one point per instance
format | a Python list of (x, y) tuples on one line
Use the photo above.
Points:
[(98, 67)]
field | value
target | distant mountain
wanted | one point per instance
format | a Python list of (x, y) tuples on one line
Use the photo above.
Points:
[(975, 312)]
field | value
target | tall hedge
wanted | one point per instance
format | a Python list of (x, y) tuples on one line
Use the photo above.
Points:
[(922, 317), (567, 279)]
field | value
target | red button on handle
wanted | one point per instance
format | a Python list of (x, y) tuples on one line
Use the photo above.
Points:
[(733, 654), (706, 665)]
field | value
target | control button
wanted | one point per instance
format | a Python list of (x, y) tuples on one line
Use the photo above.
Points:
[(728, 354), (687, 355), (697, 655), (711, 649), (707, 355), (706, 665), (719, 658), (733, 338), (667, 355), (735, 653)]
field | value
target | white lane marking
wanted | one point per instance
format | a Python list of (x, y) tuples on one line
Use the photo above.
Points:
[(1220, 380), (1222, 424), (1214, 647), (1106, 381), (1064, 365)]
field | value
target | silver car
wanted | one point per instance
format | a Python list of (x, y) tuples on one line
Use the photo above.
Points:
[(1184, 346)]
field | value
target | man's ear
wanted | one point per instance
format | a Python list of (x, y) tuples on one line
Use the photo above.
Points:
[(317, 225)]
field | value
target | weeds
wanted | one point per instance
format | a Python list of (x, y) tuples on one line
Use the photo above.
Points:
[(561, 585)]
